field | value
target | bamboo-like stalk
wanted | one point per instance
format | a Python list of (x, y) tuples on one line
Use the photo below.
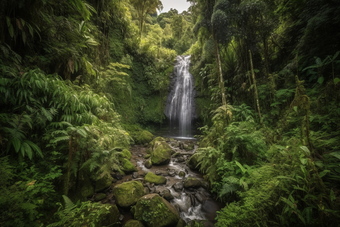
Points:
[(255, 88), (224, 100)]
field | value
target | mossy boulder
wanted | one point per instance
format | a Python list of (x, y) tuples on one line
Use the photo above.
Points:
[(161, 153), (154, 141), (127, 166), (143, 137), (99, 196), (181, 174), (86, 188), (155, 211), (193, 162), (133, 223), (112, 217), (181, 223), (125, 153), (128, 193), (103, 183), (148, 164), (192, 182), (153, 178), (147, 156)]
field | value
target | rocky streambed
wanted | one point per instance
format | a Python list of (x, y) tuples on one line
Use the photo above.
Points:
[(164, 191)]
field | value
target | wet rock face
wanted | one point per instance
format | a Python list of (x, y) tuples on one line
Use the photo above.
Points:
[(155, 211), (128, 193)]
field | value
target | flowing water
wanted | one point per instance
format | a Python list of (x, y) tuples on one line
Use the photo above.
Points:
[(192, 204), (180, 108)]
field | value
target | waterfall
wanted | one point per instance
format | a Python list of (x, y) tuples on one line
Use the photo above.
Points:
[(180, 108)]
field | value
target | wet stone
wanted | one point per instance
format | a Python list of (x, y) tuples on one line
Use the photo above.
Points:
[(148, 164), (166, 194), (200, 197), (117, 176), (172, 173), (181, 174), (99, 196), (181, 159), (134, 175), (178, 186), (146, 190)]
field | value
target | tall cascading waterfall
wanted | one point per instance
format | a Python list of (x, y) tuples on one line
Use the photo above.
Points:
[(180, 107)]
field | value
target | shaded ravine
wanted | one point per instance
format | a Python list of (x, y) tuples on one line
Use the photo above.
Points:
[(193, 204)]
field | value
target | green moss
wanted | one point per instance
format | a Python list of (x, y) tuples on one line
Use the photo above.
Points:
[(153, 178), (148, 164), (128, 193), (161, 153), (86, 189), (155, 211), (103, 183), (112, 217), (157, 139), (147, 156), (181, 223), (133, 223), (192, 182), (99, 196), (125, 153), (143, 137), (193, 162), (127, 166)]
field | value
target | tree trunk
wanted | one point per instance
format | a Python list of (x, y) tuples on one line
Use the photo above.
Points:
[(255, 88), (224, 101)]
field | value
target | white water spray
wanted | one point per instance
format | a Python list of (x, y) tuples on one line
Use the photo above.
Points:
[(180, 104)]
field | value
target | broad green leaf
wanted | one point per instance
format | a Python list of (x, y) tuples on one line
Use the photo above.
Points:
[(323, 173), (332, 195), (305, 149), (304, 160), (321, 79), (295, 108), (35, 148), (16, 144), (336, 154), (27, 150), (241, 167), (336, 80)]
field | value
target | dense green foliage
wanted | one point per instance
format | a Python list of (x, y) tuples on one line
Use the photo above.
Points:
[(81, 80), (271, 153)]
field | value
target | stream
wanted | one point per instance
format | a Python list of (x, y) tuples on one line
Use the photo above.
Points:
[(192, 204)]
